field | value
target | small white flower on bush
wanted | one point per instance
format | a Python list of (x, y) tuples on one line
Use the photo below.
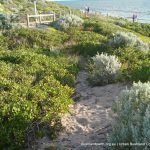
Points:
[(121, 23), (68, 21), (133, 116), (54, 50), (106, 69), (128, 39)]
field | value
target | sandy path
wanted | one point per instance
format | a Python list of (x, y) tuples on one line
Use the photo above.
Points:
[(90, 118)]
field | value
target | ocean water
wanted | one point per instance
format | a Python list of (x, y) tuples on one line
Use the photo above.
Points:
[(122, 8)]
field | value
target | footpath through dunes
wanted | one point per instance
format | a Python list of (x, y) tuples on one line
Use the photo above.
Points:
[(90, 118)]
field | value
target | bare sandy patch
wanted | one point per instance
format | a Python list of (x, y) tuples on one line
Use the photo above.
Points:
[(90, 118)]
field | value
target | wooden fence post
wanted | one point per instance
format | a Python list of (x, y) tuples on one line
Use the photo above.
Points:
[(70, 11), (28, 21), (60, 14), (40, 18), (54, 17)]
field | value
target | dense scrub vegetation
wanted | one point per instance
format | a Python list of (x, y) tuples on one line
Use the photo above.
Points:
[(141, 28), (38, 69), (23, 7), (101, 26), (27, 6), (135, 63), (128, 39), (35, 83), (33, 38), (6, 21)]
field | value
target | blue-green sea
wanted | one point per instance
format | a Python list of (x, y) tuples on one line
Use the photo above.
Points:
[(122, 8)]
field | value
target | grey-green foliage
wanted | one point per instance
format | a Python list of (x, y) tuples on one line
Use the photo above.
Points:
[(55, 50), (121, 23), (132, 124), (128, 39), (68, 21), (105, 69), (6, 21)]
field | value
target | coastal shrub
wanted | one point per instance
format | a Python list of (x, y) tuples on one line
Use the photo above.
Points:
[(100, 26), (68, 21), (6, 21), (33, 87), (36, 84), (35, 38), (121, 23), (105, 69), (54, 50), (3, 42), (87, 48), (26, 6), (134, 69), (85, 42), (128, 39), (139, 68), (140, 71), (79, 36), (132, 123), (142, 28)]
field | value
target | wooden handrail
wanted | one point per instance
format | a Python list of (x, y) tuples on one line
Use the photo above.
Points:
[(40, 17)]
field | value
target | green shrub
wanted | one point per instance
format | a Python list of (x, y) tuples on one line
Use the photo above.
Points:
[(35, 38), (142, 28), (85, 42), (6, 21), (80, 36), (100, 26), (121, 23), (132, 124), (68, 21), (105, 69), (3, 42), (87, 49), (35, 84), (140, 71), (128, 39), (135, 63)]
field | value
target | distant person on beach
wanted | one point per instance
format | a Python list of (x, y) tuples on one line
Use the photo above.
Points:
[(87, 10), (134, 17)]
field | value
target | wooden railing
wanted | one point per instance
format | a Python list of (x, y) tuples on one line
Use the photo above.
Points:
[(39, 18)]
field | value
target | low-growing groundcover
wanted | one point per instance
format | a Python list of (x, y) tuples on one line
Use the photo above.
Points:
[(101, 26), (135, 63), (142, 28), (44, 39), (35, 85)]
